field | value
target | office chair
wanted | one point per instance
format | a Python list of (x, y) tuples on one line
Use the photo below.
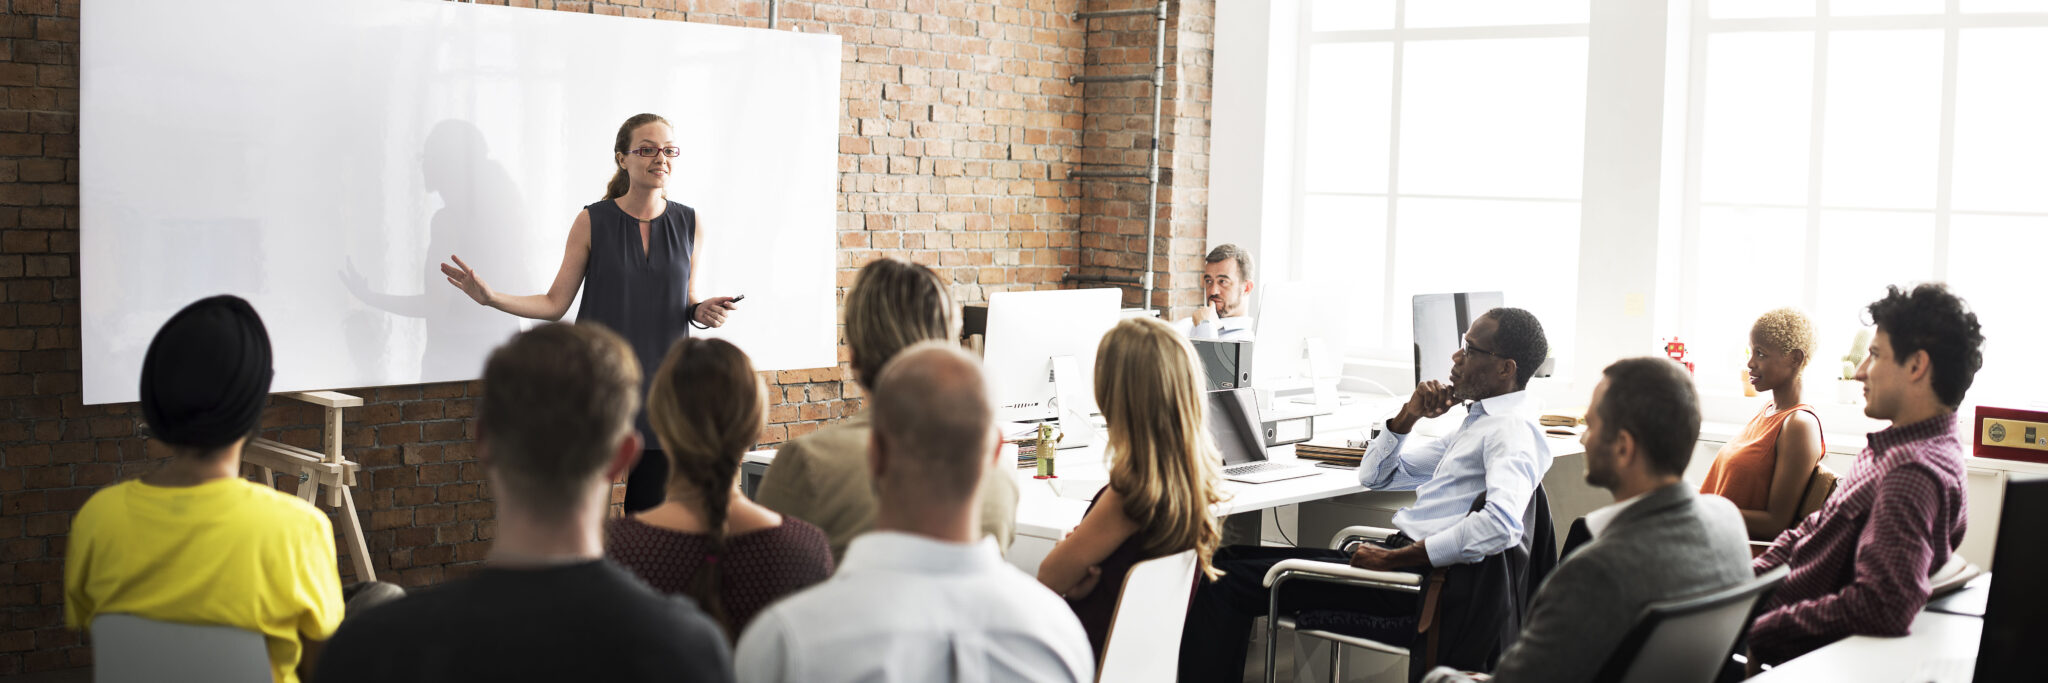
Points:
[(1144, 634), (130, 649), (1538, 555), (1687, 640)]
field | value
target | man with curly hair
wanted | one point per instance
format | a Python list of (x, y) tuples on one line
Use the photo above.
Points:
[(1860, 566)]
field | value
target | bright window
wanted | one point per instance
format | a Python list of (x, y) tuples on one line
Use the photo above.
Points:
[(1845, 145), (1439, 149)]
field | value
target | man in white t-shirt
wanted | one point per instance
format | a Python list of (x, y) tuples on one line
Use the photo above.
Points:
[(1227, 286), (923, 597)]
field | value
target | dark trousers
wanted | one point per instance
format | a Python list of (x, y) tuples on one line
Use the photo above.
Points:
[(647, 484), (1219, 622)]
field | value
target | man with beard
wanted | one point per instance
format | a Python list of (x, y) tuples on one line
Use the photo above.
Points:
[(1659, 540), (1225, 313)]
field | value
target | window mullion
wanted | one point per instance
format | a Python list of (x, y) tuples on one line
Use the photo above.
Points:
[(1816, 147), (1945, 163), (1689, 210), (1388, 272)]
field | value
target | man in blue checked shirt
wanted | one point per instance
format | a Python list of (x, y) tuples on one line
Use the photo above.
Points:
[(1498, 452)]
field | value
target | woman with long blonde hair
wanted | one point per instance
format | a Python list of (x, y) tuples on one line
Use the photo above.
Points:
[(707, 541), (1162, 473)]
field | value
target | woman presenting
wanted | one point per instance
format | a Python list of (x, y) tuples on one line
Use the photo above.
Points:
[(631, 253)]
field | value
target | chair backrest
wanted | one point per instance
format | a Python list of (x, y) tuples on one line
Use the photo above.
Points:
[(1818, 487), (1144, 635), (129, 648), (1687, 640)]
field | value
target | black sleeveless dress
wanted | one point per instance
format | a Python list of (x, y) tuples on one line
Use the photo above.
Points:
[(644, 295)]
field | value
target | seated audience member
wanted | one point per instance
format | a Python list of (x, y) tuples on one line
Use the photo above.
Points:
[(554, 430), (1162, 473), (822, 477), (1658, 541), (925, 596), (193, 542), (1860, 566), (1225, 313), (706, 540), (1498, 452), (1764, 471)]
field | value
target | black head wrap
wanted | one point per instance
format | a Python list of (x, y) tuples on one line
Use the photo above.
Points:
[(207, 374)]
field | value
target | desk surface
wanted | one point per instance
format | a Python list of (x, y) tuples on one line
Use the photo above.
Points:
[(1044, 513), (1941, 648)]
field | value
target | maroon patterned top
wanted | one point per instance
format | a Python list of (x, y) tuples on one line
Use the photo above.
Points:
[(1860, 565), (759, 566)]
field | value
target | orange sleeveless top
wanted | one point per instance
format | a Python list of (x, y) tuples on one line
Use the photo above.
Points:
[(1742, 470)]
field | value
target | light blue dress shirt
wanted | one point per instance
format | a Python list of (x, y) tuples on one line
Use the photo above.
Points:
[(1499, 449)]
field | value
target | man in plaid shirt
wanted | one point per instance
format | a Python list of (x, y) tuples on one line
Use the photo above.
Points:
[(1860, 565)]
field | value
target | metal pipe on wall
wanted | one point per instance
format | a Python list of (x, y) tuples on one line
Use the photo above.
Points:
[(1151, 174)]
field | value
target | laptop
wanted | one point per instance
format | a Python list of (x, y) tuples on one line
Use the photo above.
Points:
[(1234, 423)]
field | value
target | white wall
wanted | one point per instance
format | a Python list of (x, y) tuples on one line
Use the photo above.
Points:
[(321, 158)]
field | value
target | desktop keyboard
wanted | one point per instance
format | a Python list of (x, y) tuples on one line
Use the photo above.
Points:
[(1256, 467)]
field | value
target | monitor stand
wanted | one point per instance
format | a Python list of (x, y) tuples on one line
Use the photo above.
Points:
[(1077, 429)]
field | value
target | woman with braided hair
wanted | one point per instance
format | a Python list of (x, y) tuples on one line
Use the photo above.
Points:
[(707, 541)]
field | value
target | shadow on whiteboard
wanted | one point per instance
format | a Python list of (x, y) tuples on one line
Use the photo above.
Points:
[(480, 219)]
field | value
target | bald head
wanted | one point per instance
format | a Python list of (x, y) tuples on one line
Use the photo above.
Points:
[(932, 421)]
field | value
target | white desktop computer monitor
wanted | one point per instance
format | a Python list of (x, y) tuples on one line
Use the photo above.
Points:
[(1028, 331), (1440, 324), (1290, 317)]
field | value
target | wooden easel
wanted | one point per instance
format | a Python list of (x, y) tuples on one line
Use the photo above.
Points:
[(318, 471)]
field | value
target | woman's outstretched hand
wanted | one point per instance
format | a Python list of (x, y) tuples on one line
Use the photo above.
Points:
[(466, 280), (712, 312)]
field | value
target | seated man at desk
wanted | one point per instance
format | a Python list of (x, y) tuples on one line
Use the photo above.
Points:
[(1860, 566), (1225, 313), (1497, 455), (1659, 540)]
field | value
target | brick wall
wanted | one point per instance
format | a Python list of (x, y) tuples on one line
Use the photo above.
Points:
[(1117, 135), (957, 128)]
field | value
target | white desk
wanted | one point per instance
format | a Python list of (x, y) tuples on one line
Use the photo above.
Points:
[(1044, 516), (1940, 648)]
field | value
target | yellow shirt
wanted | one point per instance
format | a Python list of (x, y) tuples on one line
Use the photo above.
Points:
[(226, 552)]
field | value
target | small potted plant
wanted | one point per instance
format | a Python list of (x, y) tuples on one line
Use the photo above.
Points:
[(1847, 389)]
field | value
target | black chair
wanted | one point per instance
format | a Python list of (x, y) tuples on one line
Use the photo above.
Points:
[(1448, 629), (1688, 640)]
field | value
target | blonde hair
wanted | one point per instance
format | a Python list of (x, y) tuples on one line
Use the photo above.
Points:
[(1785, 330), (1149, 388), (705, 430), (894, 304)]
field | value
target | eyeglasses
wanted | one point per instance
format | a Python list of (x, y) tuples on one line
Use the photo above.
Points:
[(670, 152), (1467, 346)]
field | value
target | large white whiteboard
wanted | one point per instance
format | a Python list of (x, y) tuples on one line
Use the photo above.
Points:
[(320, 158)]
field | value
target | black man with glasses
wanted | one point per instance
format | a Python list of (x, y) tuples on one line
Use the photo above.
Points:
[(631, 253), (1472, 489)]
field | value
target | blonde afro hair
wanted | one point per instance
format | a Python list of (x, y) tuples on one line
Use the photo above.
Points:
[(1784, 330)]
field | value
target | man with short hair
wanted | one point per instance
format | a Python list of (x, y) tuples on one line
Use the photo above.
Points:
[(193, 542), (1860, 565), (554, 430), (822, 477), (923, 597), (1498, 455), (1659, 540), (1225, 313)]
